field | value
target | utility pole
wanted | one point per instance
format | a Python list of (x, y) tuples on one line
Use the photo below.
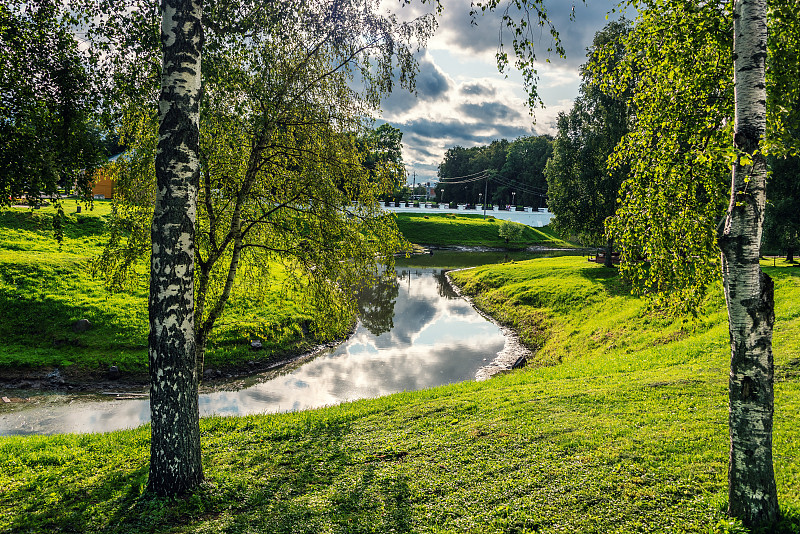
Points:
[(485, 198)]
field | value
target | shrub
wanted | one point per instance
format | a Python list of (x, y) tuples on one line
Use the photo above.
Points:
[(509, 230)]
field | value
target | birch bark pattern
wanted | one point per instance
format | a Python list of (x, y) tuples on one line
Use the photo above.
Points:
[(175, 464), (748, 291)]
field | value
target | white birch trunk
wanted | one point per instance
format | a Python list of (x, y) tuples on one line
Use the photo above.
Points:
[(175, 465), (748, 291)]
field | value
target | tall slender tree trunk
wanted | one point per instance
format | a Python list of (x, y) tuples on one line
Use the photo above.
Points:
[(175, 465), (609, 262), (748, 291), (790, 255)]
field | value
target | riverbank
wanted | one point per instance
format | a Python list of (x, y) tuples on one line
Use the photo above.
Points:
[(628, 433), (61, 329), (514, 351), (472, 230)]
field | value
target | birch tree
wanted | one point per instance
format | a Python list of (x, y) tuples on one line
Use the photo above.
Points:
[(175, 464), (689, 110), (270, 152), (749, 292)]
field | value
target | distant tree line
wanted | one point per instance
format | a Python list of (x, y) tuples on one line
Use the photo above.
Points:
[(505, 172)]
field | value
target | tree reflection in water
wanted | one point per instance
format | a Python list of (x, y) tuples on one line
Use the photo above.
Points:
[(443, 286), (376, 304)]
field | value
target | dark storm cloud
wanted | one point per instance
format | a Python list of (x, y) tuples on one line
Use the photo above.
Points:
[(431, 85), (425, 173), (421, 132), (478, 89), (489, 111), (422, 152), (575, 34)]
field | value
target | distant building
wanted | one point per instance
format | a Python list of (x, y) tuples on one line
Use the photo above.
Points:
[(103, 186), (429, 189), (103, 182)]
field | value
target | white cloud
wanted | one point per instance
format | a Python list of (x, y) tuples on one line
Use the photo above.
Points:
[(463, 100)]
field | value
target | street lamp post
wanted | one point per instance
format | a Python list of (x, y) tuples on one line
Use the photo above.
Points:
[(441, 198), (513, 200)]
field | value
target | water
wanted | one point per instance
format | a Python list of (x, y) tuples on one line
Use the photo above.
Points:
[(415, 333)]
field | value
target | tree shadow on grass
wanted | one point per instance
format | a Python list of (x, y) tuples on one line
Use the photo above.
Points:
[(608, 277), (312, 481), (46, 323), (59, 507), (262, 477), (74, 226), (355, 502)]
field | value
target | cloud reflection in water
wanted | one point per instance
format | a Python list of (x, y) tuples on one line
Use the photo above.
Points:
[(433, 339)]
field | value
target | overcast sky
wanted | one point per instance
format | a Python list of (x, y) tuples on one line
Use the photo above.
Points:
[(462, 99)]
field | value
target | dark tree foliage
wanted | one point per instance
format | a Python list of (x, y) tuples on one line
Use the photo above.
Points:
[(48, 137), (525, 164), (382, 152), (582, 189), (514, 171), (782, 218)]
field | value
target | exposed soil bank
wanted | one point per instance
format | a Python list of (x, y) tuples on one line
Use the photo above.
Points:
[(68, 379)]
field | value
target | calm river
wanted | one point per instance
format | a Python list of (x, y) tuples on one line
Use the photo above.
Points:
[(414, 333)]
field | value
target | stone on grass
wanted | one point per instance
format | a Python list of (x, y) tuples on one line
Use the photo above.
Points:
[(81, 325), (113, 372)]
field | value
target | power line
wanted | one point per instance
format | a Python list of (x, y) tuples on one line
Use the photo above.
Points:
[(523, 188), (485, 175), (467, 181), (484, 171)]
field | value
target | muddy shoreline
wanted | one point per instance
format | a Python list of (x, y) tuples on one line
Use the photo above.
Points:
[(17, 382), (513, 349)]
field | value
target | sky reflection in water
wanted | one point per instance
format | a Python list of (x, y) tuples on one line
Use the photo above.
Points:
[(431, 338)]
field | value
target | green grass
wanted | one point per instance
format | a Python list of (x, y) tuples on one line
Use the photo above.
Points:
[(627, 434), (469, 230), (45, 288)]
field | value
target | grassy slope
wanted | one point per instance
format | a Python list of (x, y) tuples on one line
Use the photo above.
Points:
[(45, 288), (468, 230), (627, 434)]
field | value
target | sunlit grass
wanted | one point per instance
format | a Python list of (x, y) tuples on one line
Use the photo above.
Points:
[(627, 434), (469, 230), (45, 287)]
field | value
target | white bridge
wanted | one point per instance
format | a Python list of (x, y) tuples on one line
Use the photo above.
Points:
[(530, 217)]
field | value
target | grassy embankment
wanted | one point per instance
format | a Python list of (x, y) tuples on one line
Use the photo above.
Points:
[(45, 288), (628, 433), (469, 230)]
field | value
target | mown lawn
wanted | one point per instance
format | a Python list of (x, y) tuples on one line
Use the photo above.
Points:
[(45, 288), (469, 230), (626, 433)]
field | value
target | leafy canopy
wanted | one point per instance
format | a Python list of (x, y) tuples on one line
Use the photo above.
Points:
[(49, 137), (283, 176), (679, 151), (582, 191)]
